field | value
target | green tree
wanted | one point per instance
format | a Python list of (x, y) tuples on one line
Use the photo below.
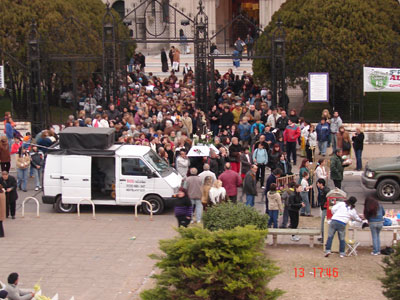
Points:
[(230, 215), (224, 264), (336, 37), (391, 282), (65, 27)]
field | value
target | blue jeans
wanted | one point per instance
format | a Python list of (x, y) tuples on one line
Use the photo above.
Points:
[(22, 178), (307, 208), (340, 228), (375, 228), (334, 141), (273, 218), (199, 208), (37, 174), (323, 215), (359, 159), (250, 200), (322, 147)]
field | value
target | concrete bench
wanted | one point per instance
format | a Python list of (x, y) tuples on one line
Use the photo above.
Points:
[(311, 232)]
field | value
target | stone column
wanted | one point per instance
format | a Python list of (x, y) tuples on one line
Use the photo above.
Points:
[(210, 8), (264, 20)]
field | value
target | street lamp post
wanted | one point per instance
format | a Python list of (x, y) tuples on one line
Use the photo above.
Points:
[(109, 55), (278, 66)]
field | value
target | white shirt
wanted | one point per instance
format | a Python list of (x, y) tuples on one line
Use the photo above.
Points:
[(206, 173), (304, 184), (272, 120), (320, 172), (343, 213), (217, 194)]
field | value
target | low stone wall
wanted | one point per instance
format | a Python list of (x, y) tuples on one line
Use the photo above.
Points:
[(386, 133)]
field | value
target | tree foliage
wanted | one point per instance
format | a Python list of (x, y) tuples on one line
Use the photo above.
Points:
[(204, 265), (391, 281), (230, 215), (65, 28), (333, 36)]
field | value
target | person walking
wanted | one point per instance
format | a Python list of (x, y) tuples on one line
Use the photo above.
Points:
[(295, 203), (323, 192), (183, 208), (10, 185), (164, 61), (337, 168), (239, 46), (231, 180), (274, 205), (37, 166), (260, 157), (374, 213), (249, 41), (250, 185), (342, 212), (23, 163), (358, 145), (5, 157), (193, 185), (2, 210), (290, 136)]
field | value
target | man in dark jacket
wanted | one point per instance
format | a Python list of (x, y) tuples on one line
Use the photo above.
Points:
[(9, 183), (295, 203), (113, 114), (282, 122), (337, 168), (250, 185), (226, 118), (323, 190)]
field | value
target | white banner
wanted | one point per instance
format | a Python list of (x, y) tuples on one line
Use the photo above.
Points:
[(381, 79), (318, 87), (2, 83)]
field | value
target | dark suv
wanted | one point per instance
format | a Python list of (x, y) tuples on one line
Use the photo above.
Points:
[(383, 174)]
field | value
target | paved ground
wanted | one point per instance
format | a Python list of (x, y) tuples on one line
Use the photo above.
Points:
[(96, 259)]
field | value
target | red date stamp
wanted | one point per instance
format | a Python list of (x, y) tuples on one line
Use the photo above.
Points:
[(317, 272)]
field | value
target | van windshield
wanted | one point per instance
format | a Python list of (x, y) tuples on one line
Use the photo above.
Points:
[(156, 162)]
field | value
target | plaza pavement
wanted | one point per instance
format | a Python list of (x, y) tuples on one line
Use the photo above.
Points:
[(97, 259)]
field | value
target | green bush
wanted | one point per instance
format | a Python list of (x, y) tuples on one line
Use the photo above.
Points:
[(391, 282), (229, 215), (220, 265)]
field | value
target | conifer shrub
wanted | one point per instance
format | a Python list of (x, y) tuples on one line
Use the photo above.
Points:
[(391, 281), (229, 215), (214, 265)]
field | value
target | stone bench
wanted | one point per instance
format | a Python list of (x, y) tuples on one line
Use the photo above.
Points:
[(311, 232)]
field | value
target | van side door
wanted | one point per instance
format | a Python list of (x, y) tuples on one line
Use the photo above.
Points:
[(76, 171), (134, 181)]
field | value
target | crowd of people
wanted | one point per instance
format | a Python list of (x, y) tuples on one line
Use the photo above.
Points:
[(255, 143)]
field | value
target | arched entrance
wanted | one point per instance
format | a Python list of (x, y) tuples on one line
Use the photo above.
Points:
[(119, 7)]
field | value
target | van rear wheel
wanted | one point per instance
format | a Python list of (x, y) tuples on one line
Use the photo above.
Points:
[(157, 205), (388, 190), (64, 208)]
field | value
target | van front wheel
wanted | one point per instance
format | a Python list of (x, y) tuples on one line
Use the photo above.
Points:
[(64, 208), (157, 205)]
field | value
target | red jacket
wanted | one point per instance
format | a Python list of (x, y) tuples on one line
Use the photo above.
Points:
[(230, 181), (291, 133)]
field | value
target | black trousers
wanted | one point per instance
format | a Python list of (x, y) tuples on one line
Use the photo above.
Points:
[(338, 183), (291, 151), (1, 229), (183, 221), (5, 166), (309, 153), (260, 172), (10, 206), (294, 219)]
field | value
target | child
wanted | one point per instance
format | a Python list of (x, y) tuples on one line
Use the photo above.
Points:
[(274, 205)]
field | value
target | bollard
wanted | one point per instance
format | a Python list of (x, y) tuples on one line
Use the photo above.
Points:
[(93, 208), (150, 208), (26, 200)]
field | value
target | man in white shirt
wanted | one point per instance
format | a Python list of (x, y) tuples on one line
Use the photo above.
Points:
[(272, 118), (206, 172)]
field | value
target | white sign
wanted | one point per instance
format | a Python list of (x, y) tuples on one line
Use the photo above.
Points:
[(2, 83), (381, 79), (318, 87)]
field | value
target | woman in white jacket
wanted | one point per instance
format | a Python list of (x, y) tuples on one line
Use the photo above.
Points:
[(217, 193), (320, 173), (310, 137)]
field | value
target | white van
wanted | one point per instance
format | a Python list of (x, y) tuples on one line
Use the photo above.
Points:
[(118, 175)]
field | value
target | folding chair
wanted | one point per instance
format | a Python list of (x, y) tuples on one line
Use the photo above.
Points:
[(351, 244)]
